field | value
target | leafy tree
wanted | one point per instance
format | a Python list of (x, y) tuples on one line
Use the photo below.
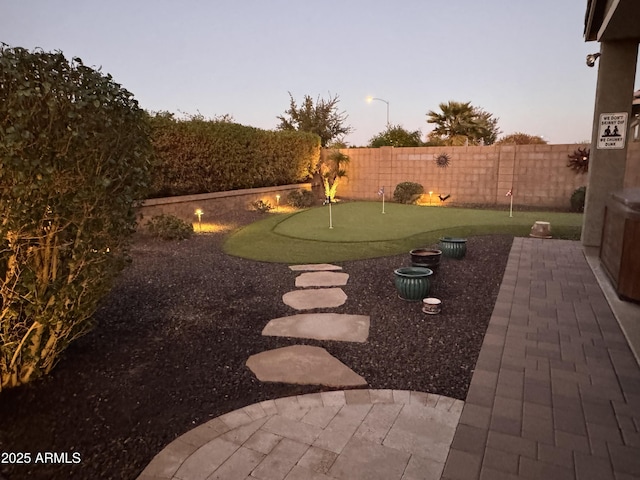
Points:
[(520, 138), (74, 156), (460, 123), (321, 118), (396, 136), (332, 168)]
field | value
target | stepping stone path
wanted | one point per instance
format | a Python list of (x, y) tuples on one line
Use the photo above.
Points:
[(310, 299), (321, 279), (320, 326), (315, 267), (303, 364)]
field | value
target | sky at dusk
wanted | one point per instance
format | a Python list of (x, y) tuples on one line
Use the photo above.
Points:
[(522, 60)]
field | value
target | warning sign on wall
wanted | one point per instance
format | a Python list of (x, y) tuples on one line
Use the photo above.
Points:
[(612, 130)]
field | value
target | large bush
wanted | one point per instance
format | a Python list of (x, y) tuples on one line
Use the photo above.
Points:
[(301, 198), (74, 155), (578, 198), (169, 227), (201, 156), (407, 192)]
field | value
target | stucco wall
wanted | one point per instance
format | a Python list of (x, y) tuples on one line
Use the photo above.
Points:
[(538, 174), (632, 172)]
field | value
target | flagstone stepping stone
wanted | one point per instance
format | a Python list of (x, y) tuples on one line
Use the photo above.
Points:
[(315, 267), (303, 365), (320, 326), (315, 298), (322, 279)]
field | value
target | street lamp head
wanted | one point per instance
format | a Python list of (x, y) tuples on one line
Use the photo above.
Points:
[(370, 99)]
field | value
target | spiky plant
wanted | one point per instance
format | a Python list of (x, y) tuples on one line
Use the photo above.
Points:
[(579, 160)]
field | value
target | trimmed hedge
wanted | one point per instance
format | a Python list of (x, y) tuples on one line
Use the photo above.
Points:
[(200, 156)]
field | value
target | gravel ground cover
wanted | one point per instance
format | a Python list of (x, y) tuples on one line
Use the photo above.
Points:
[(171, 340)]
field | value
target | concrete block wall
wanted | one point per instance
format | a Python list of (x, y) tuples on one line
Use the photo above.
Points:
[(538, 174)]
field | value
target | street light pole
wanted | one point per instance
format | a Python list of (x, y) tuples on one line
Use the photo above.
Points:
[(370, 99)]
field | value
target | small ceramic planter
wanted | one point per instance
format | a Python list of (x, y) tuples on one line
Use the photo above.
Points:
[(412, 283), (431, 306), (541, 230), (453, 247)]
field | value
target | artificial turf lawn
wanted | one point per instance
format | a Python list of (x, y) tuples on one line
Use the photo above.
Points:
[(360, 230)]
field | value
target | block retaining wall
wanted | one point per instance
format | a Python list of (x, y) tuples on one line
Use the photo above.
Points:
[(214, 204)]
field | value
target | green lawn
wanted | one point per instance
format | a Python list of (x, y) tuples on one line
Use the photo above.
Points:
[(361, 230)]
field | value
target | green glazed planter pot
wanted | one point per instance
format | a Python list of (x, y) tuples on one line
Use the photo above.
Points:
[(453, 247), (412, 283)]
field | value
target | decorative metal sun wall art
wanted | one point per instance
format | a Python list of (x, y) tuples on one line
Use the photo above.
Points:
[(442, 160), (579, 160)]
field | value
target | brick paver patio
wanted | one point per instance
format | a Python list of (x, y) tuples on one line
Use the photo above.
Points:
[(556, 390)]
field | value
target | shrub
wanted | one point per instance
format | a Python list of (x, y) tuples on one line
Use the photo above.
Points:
[(261, 206), (407, 192), (301, 199), (169, 227), (578, 198), (74, 154), (202, 156)]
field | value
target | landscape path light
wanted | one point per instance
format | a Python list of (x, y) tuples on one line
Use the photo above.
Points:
[(199, 213)]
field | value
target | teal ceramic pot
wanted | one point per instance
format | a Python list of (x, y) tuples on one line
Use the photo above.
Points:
[(412, 283), (453, 247)]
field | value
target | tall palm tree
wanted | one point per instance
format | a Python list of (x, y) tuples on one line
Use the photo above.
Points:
[(460, 123)]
